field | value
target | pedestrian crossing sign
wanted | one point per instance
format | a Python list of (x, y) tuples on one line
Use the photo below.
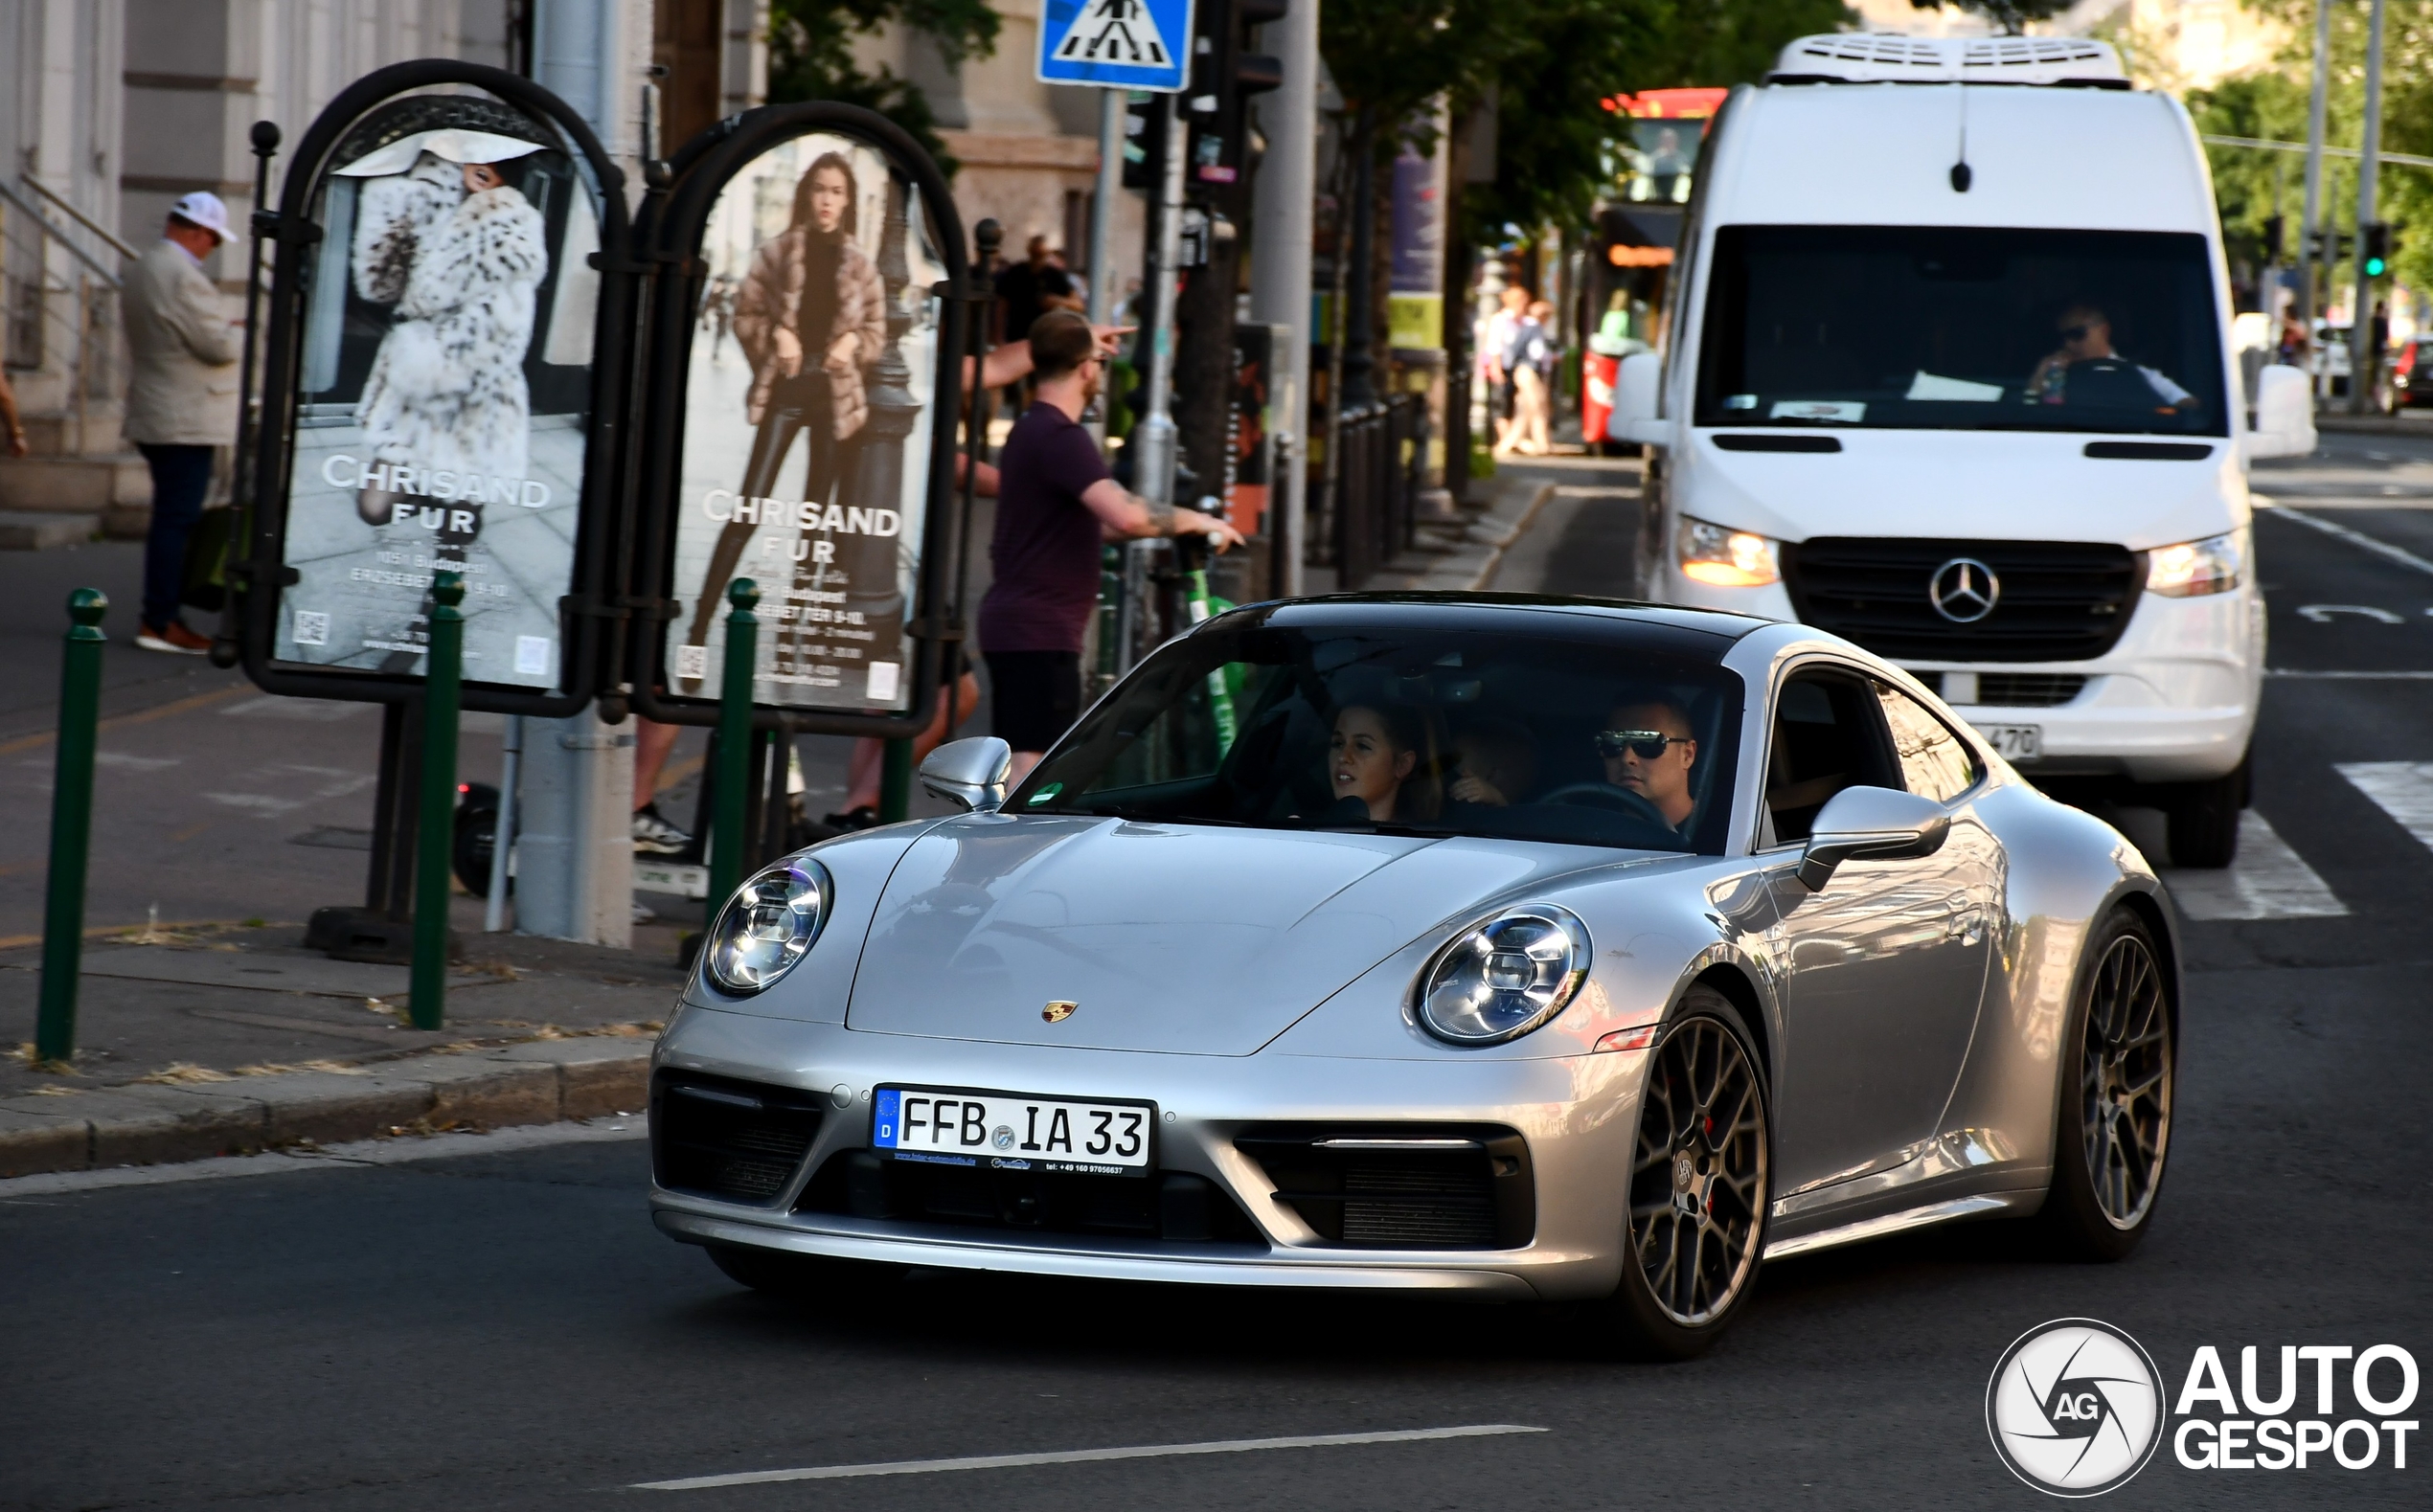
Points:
[(1117, 44)]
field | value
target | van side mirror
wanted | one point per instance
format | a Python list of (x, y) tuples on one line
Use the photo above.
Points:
[(969, 772), (1636, 384), (1871, 823), (2285, 413)]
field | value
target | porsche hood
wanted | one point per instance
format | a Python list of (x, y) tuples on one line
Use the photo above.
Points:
[(1164, 937)]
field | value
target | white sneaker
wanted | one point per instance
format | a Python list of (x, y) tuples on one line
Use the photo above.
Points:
[(644, 915), (654, 836)]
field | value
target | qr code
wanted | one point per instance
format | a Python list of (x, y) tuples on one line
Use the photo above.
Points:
[(312, 627), (883, 678), (693, 661), (532, 656)]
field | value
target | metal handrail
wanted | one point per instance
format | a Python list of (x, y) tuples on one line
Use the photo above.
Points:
[(60, 236), (82, 218)]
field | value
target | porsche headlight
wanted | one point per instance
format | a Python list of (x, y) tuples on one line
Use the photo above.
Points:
[(1504, 977), (2213, 565), (769, 925), (1724, 557)]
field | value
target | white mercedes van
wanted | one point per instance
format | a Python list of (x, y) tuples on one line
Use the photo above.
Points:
[(1948, 371)]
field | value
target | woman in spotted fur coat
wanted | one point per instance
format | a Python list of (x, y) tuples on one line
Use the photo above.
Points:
[(460, 253)]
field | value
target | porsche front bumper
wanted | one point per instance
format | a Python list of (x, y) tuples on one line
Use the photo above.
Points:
[(1576, 1116)]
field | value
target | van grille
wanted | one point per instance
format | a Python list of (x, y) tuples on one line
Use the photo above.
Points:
[(738, 1140), (2059, 600), (1402, 1186), (2011, 689)]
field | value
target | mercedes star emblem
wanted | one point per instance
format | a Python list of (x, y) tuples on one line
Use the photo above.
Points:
[(1963, 590)]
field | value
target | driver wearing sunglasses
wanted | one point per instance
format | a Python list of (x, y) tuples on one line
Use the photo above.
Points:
[(1647, 750)]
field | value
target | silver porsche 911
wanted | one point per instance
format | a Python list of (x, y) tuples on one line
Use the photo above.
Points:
[(1531, 949)]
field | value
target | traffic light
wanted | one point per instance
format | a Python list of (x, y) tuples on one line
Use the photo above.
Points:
[(2272, 239), (2326, 246), (1144, 140), (2377, 248), (1225, 74)]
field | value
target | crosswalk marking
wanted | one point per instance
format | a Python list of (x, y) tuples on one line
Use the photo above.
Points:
[(2401, 789), (2269, 880)]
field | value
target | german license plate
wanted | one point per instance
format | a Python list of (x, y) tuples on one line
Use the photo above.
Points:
[(2014, 742), (1011, 1132)]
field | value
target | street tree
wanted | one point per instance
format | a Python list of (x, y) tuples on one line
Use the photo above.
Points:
[(811, 56), (2012, 15)]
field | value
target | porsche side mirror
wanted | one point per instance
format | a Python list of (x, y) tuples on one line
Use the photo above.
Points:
[(1870, 823), (2285, 413), (969, 772), (1636, 383)]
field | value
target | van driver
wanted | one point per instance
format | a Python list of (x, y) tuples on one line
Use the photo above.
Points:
[(2086, 337)]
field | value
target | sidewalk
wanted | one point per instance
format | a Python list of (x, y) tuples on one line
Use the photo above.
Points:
[(227, 1040), (1467, 555)]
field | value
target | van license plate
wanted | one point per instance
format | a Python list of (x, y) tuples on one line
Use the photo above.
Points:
[(2014, 742)]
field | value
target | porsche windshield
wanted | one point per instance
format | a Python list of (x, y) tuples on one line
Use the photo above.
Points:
[(1946, 328), (1409, 731)]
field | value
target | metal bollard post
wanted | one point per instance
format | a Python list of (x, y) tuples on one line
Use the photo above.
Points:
[(441, 692), (70, 825), (735, 744), (894, 781)]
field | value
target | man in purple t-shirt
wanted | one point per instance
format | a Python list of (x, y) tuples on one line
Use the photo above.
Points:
[(1055, 506)]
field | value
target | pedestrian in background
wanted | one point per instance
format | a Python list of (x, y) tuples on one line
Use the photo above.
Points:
[(1056, 503), (1029, 289), (1494, 349), (1534, 365), (181, 400), (12, 429)]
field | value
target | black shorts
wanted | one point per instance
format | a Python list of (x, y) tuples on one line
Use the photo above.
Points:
[(1035, 696)]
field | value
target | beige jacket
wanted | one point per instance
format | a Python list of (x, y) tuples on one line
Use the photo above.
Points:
[(184, 388), (772, 294)]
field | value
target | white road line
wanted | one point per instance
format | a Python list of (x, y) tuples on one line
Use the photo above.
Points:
[(2357, 538), (2269, 880), (1076, 1457), (2350, 677), (2403, 789), (402, 1150)]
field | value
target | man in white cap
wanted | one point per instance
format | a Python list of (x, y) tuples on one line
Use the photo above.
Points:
[(181, 400)]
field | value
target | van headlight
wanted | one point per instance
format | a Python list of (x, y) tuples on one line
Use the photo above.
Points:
[(769, 925), (1503, 978), (2213, 564), (1723, 557)]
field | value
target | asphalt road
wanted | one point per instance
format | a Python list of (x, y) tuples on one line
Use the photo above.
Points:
[(507, 1331)]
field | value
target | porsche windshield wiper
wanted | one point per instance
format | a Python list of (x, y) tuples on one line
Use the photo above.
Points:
[(1147, 815)]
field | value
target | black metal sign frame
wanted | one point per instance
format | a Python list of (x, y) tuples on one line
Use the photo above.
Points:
[(587, 647), (670, 231)]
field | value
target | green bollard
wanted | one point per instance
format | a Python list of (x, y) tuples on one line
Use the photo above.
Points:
[(70, 825), (895, 782), (735, 744), (442, 693)]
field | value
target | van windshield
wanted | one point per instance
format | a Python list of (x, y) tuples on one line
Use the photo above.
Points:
[(1922, 328)]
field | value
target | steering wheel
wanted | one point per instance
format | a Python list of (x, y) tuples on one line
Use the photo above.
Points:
[(1604, 795)]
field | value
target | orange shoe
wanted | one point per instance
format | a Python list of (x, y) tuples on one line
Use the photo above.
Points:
[(172, 636)]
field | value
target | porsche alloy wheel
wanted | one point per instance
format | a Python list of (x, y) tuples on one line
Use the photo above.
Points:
[(2115, 1100), (1698, 1182), (2125, 1081)]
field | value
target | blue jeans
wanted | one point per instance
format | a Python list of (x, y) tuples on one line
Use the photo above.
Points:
[(181, 480)]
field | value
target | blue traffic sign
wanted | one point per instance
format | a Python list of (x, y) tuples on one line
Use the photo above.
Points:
[(1117, 44)]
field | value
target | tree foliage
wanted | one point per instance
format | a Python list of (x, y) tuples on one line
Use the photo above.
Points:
[(2273, 107), (2012, 15), (811, 55)]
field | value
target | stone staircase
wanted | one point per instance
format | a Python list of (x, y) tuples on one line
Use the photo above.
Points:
[(80, 480)]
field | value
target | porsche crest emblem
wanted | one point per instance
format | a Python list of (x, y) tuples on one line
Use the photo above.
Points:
[(1058, 1012)]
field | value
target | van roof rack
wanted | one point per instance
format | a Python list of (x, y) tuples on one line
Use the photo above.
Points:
[(1875, 57)]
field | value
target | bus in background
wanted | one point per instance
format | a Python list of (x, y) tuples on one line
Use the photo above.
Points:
[(1638, 226)]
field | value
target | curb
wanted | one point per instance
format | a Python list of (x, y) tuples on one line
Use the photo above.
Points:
[(1472, 565), (538, 1081)]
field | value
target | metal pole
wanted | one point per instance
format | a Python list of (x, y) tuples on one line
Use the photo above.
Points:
[(2363, 359), (735, 743), (224, 652), (1103, 197), (2317, 105), (1153, 439), (1284, 192), (70, 825), (894, 781), (503, 826), (440, 697)]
